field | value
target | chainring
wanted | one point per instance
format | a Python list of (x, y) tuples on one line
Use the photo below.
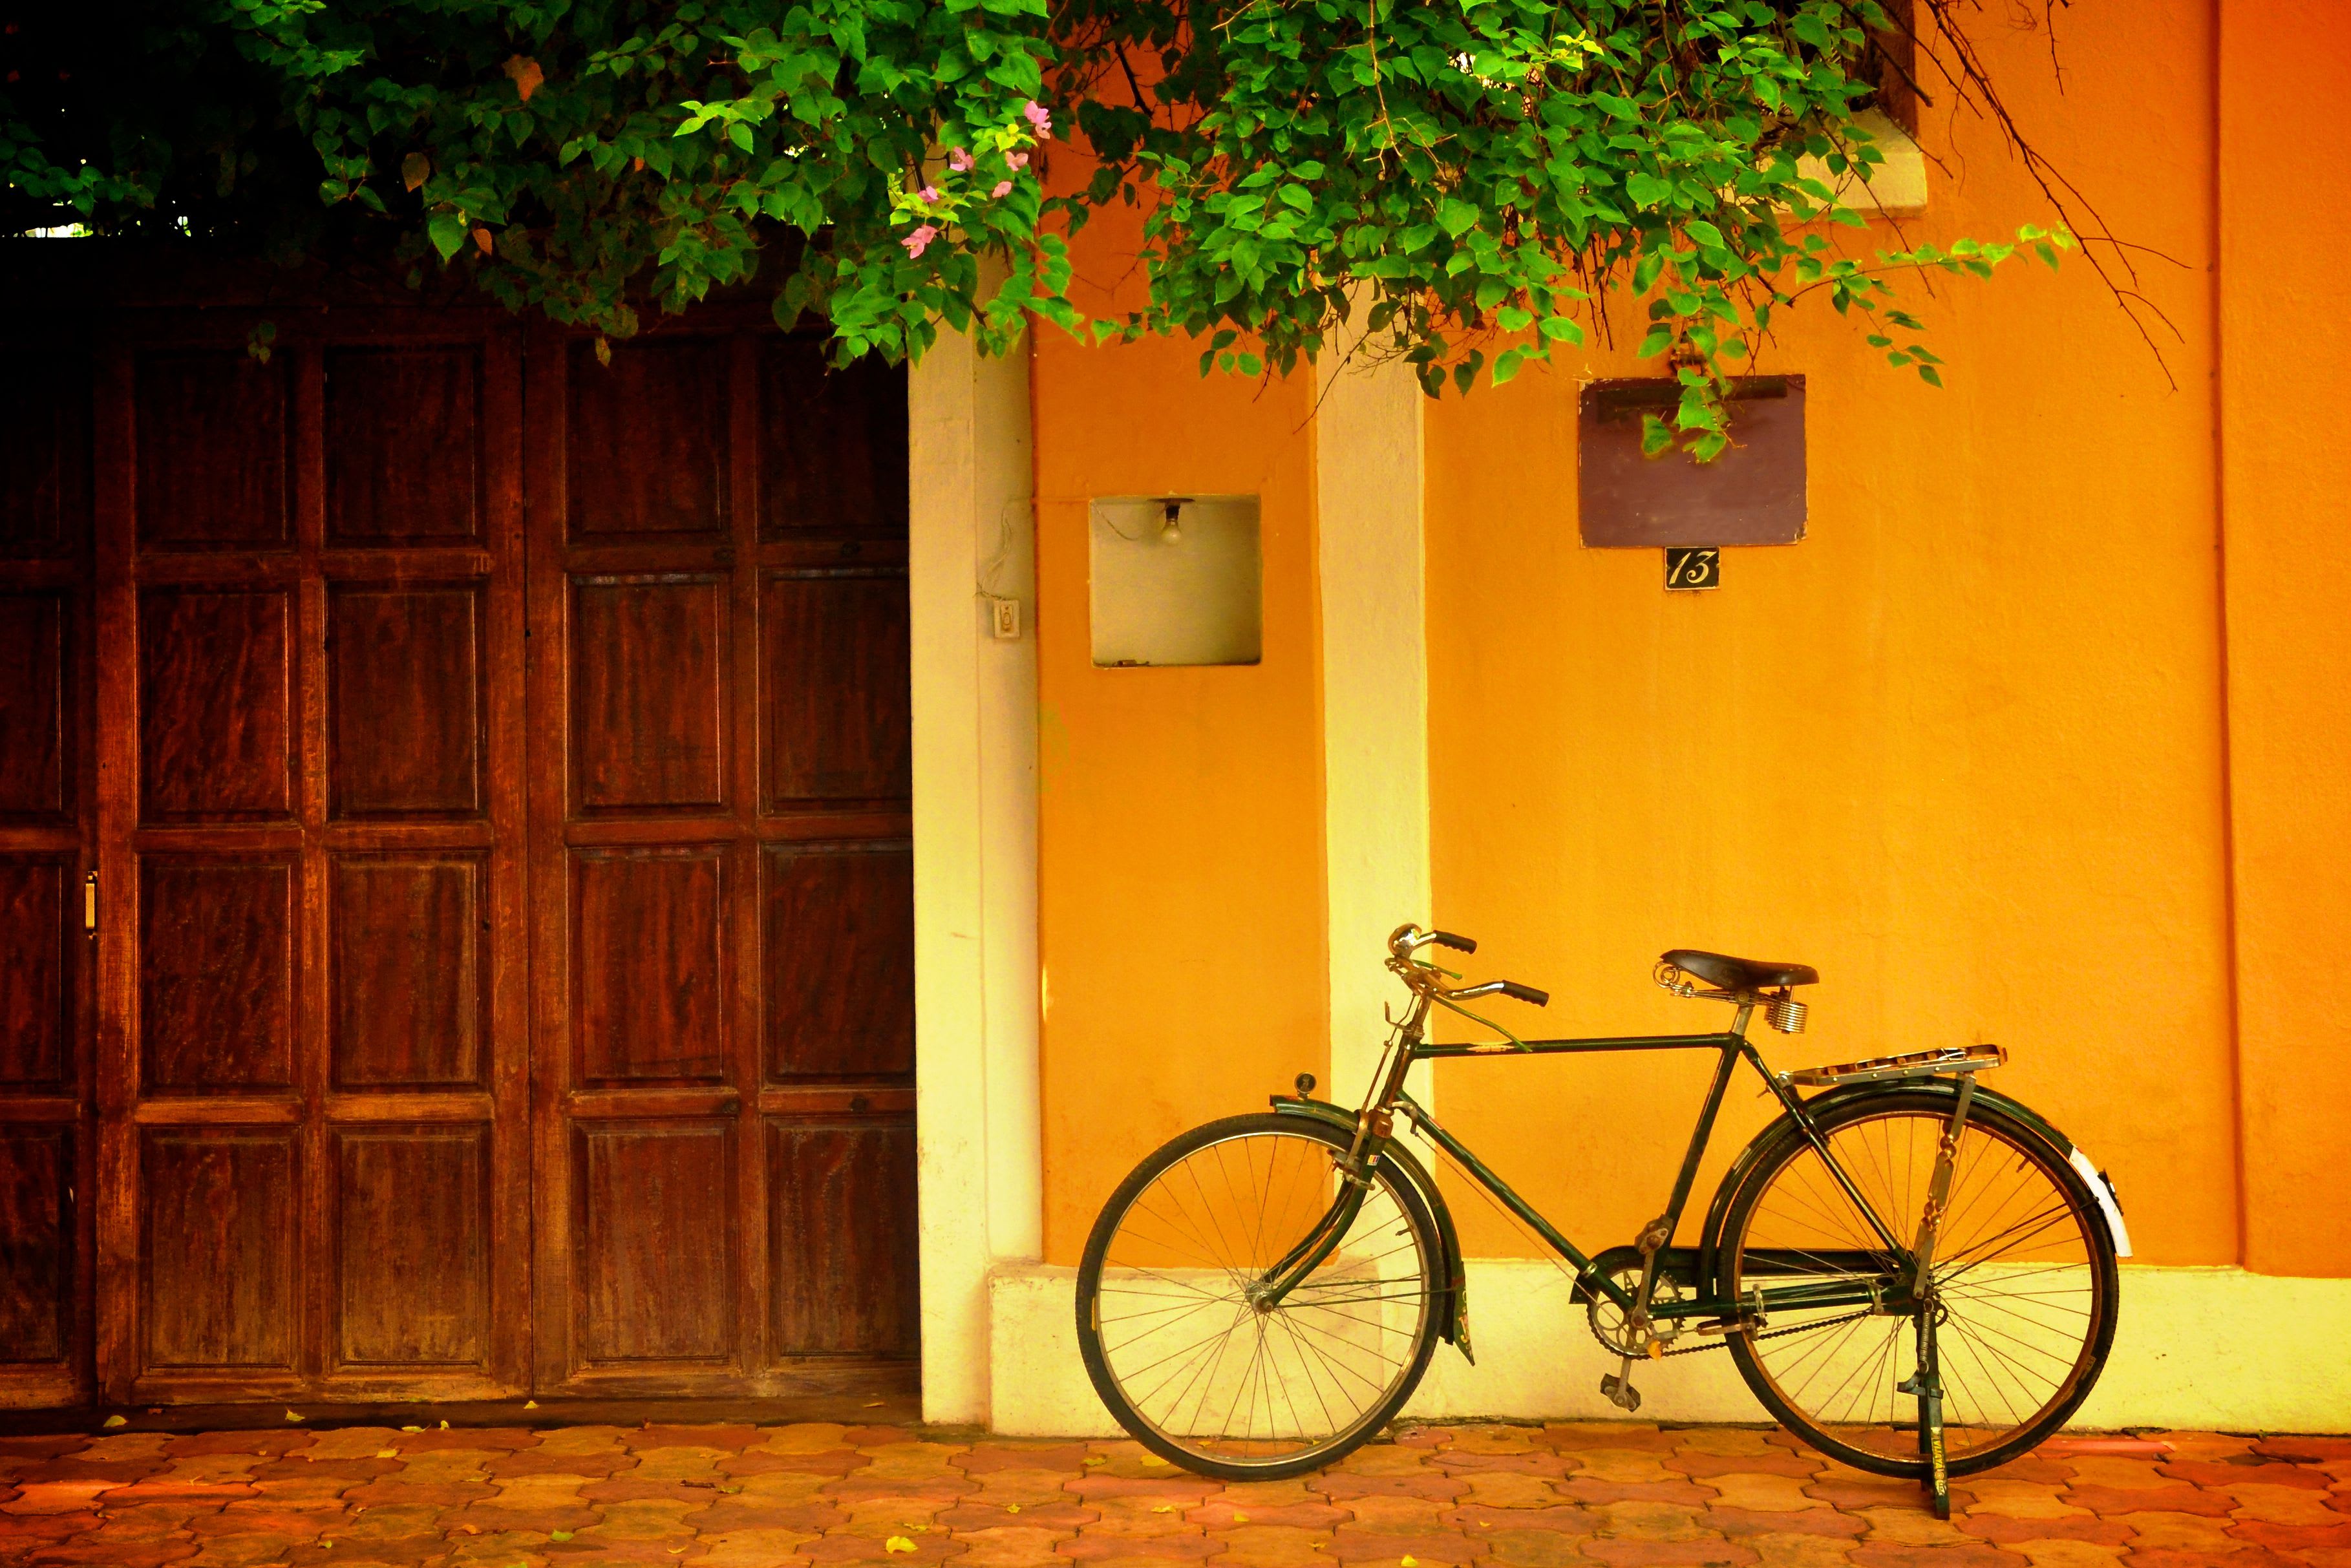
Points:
[(1607, 1319)]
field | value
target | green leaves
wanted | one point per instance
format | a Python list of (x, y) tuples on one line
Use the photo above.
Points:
[(1465, 179)]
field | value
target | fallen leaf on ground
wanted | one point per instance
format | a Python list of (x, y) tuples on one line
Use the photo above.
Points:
[(559, 1536), (118, 1420), (1240, 1518), (873, 1405), (1163, 1507), (291, 1416), (530, 1404), (387, 1453), (897, 1543), (1410, 1563), (1012, 1508), (412, 1428)]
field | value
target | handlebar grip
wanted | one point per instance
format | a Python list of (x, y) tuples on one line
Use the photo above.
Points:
[(1447, 939), (1526, 993)]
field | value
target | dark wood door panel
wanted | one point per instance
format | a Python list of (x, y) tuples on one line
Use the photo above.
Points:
[(649, 692), (220, 1211), (836, 1288), (649, 965), (832, 444), (647, 448), (35, 737), (405, 711), (409, 996), (209, 438), (839, 940), (835, 688), (404, 445), (216, 703), (216, 997), (654, 1241), (44, 466), (37, 984), (412, 1236), (38, 1316)]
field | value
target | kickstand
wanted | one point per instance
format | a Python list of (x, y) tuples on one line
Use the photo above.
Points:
[(1926, 1383)]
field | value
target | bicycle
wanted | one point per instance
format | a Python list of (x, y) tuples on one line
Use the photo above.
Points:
[(1915, 1274)]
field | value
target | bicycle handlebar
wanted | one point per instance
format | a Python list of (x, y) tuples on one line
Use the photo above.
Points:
[(1408, 937)]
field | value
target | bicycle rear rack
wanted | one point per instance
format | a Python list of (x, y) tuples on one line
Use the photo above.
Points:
[(1917, 1064)]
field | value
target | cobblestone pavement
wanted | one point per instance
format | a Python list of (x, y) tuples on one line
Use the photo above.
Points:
[(752, 1496)]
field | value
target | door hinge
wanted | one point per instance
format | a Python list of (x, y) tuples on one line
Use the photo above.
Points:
[(89, 906)]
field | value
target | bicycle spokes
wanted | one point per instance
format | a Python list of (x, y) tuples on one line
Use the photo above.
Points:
[(1193, 1332), (2011, 1293)]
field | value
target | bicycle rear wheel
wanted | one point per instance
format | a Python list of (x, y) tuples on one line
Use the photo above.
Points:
[(2023, 1296), (1178, 1339)]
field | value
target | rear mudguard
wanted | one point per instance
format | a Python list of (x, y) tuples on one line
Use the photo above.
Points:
[(1453, 1305), (2101, 1186)]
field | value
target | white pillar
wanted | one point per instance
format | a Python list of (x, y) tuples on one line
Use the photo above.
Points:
[(975, 766), (1368, 468)]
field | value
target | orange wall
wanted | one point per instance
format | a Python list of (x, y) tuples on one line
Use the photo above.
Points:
[(1961, 748), (2285, 474), (1984, 748), (1180, 858)]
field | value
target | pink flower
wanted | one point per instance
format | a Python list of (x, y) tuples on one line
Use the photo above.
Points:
[(1016, 160), (1041, 117), (930, 192), (959, 160), (1002, 187), (919, 241)]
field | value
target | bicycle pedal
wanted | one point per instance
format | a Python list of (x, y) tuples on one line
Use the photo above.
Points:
[(1621, 1392)]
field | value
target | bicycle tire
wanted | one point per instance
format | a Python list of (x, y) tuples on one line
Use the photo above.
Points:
[(2002, 1333), (1113, 1367)]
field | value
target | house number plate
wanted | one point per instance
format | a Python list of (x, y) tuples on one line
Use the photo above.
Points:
[(1692, 567)]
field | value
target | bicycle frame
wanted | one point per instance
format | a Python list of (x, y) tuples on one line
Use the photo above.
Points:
[(1374, 1129)]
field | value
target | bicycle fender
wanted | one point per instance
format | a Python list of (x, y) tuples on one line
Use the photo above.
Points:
[(1455, 1323), (1784, 1126)]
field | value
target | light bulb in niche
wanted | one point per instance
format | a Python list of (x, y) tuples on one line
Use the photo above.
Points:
[(1171, 526)]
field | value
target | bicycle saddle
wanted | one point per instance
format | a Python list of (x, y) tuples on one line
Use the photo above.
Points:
[(1739, 974)]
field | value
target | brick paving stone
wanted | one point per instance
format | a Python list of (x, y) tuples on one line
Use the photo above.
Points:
[(1772, 1551), (2068, 1553), (2004, 1529), (1624, 1466), (2177, 1497), (1768, 1492), (2244, 1469), (1889, 1555), (1774, 1461), (1741, 1522), (1710, 1554), (815, 1495), (1565, 1519)]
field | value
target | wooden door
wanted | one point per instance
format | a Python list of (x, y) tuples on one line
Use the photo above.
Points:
[(312, 1091), (722, 877), (47, 822)]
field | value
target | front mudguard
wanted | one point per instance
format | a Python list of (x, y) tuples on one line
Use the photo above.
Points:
[(1453, 1306), (2101, 1186)]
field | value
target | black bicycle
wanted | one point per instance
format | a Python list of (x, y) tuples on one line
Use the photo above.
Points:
[(1915, 1274)]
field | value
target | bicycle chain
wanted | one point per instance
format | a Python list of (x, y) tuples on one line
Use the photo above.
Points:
[(1723, 1342)]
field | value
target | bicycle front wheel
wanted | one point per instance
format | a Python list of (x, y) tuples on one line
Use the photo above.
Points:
[(1178, 1332), (2022, 1299)]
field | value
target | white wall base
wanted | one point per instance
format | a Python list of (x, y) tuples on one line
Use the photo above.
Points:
[(2206, 1348)]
